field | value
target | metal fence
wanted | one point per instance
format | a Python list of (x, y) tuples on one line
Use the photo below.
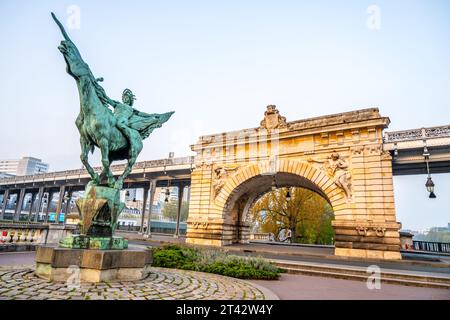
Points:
[(166, 227), (432, 246)]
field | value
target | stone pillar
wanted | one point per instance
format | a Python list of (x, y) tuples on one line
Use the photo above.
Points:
[(39, 203), (30, 211), (5, 203), (180, 202), (19, 205), (152, 188), (202, 214), (144, 202), (62, 190), (370, 230), (49, 201)]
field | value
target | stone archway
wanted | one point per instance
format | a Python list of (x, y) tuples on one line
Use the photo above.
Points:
[(338, 156), (252, 181)]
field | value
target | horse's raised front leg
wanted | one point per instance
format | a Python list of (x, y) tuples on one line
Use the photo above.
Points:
[(104, 148), (85, 147)]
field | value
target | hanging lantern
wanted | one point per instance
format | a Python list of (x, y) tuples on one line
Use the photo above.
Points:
[(430, 185), (274, 184), (167, 195), (288, 196), (430, 188), (127, 193)]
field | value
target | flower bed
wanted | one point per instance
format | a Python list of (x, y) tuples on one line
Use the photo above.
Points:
[(214, 261)]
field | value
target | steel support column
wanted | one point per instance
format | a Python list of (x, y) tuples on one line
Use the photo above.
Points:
[(5, 203), (144, 203), (19, 205), (152, 188), (180, 202), (49, 201), (39, 203), (62, 190), (30, 211), (67, 205)]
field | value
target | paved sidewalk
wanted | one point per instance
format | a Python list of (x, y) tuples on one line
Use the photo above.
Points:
[(20, 283), (305, 253), (299, 287)]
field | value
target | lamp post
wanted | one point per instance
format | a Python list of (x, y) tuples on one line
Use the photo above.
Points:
[(429, 184)]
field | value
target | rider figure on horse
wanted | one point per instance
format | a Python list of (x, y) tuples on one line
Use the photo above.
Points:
[(123, 111)]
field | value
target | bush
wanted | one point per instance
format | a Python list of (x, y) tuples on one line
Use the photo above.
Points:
[(214, 261)]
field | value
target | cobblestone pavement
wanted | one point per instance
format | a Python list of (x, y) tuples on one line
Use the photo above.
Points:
[(19, 282)]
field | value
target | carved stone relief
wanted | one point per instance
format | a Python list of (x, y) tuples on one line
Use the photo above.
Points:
[(366, 231), (220, 175), (273, 119), (337, 168)]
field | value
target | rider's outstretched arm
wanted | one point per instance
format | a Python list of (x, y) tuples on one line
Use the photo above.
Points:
[(103, 96), (111, 102)]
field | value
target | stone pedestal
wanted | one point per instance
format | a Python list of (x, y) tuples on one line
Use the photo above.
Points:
[(63, 264), (366, 239)]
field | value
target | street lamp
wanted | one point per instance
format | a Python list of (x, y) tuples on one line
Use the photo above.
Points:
[(430, 187), (288, 196), (429, 184), (274, 184), (166, 199)]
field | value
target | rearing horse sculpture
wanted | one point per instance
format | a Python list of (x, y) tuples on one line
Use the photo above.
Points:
[(97, 123)]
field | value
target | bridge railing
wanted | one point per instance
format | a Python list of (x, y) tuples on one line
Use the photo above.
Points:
[(22, 233), (260, 236), (431, 246), (115, 168), (417, 134)]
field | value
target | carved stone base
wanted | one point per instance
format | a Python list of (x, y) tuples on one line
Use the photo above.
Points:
[(217, 233), (368, 254), (366, 239), (61, 264), (99, 209)]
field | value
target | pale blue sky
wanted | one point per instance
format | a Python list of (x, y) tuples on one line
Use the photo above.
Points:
[(218, 64)]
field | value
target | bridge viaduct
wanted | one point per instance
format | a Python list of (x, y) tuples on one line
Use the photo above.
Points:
[(348, 158)]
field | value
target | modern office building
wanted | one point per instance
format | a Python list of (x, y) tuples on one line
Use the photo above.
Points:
[(23, 167)]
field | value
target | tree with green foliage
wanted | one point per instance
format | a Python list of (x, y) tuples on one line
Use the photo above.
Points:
[(307, 214), (169, 210)]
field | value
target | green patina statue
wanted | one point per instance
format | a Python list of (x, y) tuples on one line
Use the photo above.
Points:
[(117, 134)]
